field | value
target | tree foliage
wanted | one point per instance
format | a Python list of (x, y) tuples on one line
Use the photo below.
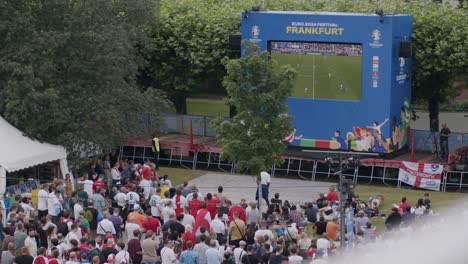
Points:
[(259, 91), (68, 69), (189, 43)]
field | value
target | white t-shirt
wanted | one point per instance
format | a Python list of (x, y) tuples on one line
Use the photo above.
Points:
[(115, 173), (263, 232), (105, 226), (183, 202), (133, 198), (42, 198), (295, 259), (188, 220), (238, 254), (155, 204), (120, 199), (77, 208), (323, 244), (146, 186), (167, 256), (217, 226), (27, 209), (166, 212), (129, 228), (122, 255), (54, 206), (88, 187), (70, 236), (265, 177)]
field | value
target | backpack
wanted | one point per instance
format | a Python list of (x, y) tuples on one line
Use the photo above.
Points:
[(258, 250), (62, 228)]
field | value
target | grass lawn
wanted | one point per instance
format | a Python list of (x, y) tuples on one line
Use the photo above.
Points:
[(205, 107), (393, 196), (178, 175)]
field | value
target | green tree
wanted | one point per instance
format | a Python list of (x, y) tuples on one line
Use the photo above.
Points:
[(68, 70), (188, 45), (259, 90)]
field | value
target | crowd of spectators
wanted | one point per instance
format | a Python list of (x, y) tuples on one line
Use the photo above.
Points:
[(129, 214)]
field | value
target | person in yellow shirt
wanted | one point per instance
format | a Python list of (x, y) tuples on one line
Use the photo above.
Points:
[(236, 230)]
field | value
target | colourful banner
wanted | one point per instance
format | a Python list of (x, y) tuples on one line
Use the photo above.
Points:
[(421, 175)]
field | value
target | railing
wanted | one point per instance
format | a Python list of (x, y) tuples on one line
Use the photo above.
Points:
[(201, 125), (424, 140)]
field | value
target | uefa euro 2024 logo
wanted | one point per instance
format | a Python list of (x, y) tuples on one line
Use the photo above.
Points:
[(255, 32), (376, 35)]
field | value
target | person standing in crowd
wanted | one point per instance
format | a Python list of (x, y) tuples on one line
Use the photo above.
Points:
[(201, 249), (31, 243), (8, 256), (77, 208), (237, 230), (91, 214), (42, 201), (99, 200), (25, 257), (332, 196), (20, 236), (265, 180), (189, 256), (180, 202), (105, 226), (250, 257), (149, 246), (134, 248), (195, 204), (167, 253), (155, 148), (54, 206), (213, 256), (444, 136)]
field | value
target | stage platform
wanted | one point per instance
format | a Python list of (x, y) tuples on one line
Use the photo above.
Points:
[(200, 152)]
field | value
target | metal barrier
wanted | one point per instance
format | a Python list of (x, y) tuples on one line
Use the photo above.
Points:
[(292, 167), (186, 158), (384, 171), (453, 178)]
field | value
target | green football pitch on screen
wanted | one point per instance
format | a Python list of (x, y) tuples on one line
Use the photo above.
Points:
[(320, 76)]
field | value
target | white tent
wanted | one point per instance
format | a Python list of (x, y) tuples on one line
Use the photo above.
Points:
[(18, 152)]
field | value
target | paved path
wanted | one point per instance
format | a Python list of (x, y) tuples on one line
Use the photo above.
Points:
[(237, 187)]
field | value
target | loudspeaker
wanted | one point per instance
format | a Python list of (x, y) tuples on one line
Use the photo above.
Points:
[(235, 42), (406, 49)]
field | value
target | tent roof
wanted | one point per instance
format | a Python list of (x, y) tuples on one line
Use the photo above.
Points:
[(19, 152)]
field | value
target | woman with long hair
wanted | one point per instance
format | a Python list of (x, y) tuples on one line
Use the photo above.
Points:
[(250, 233)]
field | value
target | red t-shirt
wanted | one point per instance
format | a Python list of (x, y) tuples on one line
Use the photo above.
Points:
[(212, 207), (53, 261), (151, 223), (332, 197), (188, 237), (194, 206), (237, 209)]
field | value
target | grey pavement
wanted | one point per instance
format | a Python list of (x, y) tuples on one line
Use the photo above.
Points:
[(237, 187)]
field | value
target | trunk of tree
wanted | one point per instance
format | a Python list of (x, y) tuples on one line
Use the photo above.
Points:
[(180, 103), (232, 111), (433, 108)]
